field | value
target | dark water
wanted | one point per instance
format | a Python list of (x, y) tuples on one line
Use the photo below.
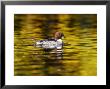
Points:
[(79, 57)]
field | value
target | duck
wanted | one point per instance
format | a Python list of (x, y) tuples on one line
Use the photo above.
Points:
[(53, 43)]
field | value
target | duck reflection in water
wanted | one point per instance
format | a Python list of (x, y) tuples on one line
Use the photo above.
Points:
[(53, 45)]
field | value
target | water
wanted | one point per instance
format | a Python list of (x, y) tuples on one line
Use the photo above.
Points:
[(79, 57)]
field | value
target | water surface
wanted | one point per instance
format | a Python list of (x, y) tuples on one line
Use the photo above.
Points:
[(79, 57)]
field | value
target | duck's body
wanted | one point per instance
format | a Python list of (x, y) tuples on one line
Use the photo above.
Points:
[(50, 43), (55, 43)]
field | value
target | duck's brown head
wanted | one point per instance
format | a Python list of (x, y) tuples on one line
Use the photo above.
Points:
[(58, 35)]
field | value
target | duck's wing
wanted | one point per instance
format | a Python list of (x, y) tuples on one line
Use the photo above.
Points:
[(48, 43)]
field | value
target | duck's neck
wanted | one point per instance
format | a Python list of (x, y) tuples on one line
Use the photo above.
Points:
[(56, 39)]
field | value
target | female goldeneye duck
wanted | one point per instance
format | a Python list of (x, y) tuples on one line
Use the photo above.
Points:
[(52, 43)]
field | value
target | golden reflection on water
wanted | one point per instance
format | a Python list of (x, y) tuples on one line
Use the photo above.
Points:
[(79, 57)]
